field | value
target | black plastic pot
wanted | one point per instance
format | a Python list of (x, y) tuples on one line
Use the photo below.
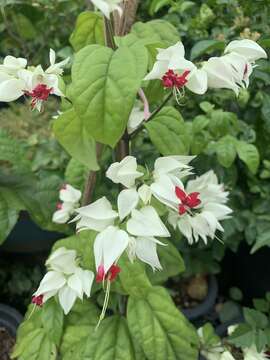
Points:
[(27, 238), (250, 273), (10, 319), (207, 305)]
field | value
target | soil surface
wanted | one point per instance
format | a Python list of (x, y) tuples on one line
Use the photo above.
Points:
[(6, 344), (188, 293)]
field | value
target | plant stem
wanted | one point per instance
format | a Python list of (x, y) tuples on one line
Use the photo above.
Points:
[(154, 113), (91, 180)]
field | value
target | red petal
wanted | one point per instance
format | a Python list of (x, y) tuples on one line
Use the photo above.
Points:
[(180, 194), (100, 274), (192, 199), (182, 209), (113, 272)]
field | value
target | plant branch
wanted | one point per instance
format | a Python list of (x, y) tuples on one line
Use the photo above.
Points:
[(153, 114)]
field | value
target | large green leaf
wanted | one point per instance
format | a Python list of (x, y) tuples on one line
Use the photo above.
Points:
[(168, 133), (104, 88), (88, 30), (159, 327), (111, 341), (249, 154), (8, 216), (156, 31), (206, 46), (70, 131), (171, 261)]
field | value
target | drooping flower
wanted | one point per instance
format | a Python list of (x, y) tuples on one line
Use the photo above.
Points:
[(247, 48), (70, 198), (108, 247), (108, 6), (174, 166), (65, 279), (195, 209), (124, 172), (176, 72), (96, 216)]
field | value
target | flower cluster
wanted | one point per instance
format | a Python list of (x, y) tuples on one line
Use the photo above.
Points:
[(230, 71), (16, 80), (64, 278)]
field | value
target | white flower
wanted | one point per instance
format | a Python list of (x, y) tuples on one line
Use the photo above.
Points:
[(124, 172), (96, 216), (108, 6), (227, 356), (16, 80), (108, 247), (172, 59), (127, 201), (197, 209), (146, 223), (231, 71), (70, 198), (69, 285), (252, 354), (135, 119), (247, 48), (145, 249)]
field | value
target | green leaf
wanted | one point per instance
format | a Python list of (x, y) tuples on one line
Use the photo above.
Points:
[(76, 174), (156, 31), (8, 217), (88, 31), (205, 46), (52, 317), (24, 26), (209, 337), (249, 154), (104, 88), (255, 318), (226, 150), (133, 277), (168, 133), (156, 5), (159, 327), (70, 131), (261, 305), (243, 336), (111, 341), (261, 241), (36, 345), (171, 261)]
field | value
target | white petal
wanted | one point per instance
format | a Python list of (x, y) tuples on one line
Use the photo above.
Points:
[(62, 260), (87, 278), (145, 193), (52, 281), (180, 64), (164, 190), (146, 222), (248, 48), (124, 172), (135, 119), (109, 246), (103, 6), (70, 194), (176, 50), (126, 202), (67, 298), (75, 283), (146, 251), (86, 223), (61, 216), (219, 210), (197, 82), (169, 164), (11, 90), (16, 63), (52, 57), (159, 69), (100, 210)]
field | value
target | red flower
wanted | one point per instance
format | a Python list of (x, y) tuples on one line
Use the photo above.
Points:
[(38, 300), (171, 79), (188, 201), (40, 93), (111, 274)]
